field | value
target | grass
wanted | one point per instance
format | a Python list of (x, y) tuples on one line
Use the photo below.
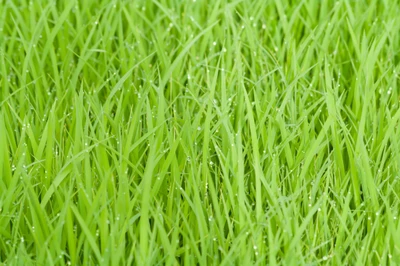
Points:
[(171, 132)]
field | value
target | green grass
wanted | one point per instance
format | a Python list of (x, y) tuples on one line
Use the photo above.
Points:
[(171, 132)]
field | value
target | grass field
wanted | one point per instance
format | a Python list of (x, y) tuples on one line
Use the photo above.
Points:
[(171, 132)]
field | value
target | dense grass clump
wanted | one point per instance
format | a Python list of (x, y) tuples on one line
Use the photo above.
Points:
[(199, 132)]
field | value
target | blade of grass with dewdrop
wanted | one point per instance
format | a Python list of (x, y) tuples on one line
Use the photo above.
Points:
[(86, 232), (151, 163), (255, 148), (331, 106)]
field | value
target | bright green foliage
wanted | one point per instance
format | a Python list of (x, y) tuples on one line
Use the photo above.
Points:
[(171, 132)]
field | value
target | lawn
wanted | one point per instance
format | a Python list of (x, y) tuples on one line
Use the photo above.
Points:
[(171, 132)]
